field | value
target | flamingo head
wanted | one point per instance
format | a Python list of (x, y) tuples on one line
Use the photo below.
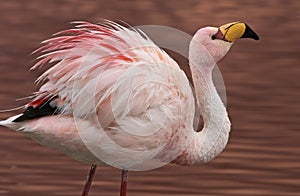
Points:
[(217, 41)]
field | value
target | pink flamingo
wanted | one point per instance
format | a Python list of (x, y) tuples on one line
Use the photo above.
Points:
[(126, 59)]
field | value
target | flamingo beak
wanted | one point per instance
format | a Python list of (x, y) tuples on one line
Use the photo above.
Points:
[(233, 31)]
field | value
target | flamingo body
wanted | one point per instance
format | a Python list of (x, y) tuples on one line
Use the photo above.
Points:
[(115, 79)]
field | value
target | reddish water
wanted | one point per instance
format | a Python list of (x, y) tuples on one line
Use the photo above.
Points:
[(262, 81)]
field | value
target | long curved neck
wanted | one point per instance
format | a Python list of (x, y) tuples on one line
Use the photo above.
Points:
[(213, 138)]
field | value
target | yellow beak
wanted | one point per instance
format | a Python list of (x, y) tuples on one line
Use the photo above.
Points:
[(235, 30)]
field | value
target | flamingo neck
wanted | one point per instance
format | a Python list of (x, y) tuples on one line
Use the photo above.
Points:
[(212, 139)]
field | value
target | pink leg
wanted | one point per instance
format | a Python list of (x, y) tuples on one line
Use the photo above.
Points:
[(124, 181), (89, 181)]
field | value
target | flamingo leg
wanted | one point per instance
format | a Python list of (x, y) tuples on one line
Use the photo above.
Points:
[(89, 181), (124, 180)]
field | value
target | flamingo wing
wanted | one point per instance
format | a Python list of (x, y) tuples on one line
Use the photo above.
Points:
[(97, 63), (116, 77)]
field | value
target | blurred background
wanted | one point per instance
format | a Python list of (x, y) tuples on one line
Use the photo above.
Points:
[(261, 78)]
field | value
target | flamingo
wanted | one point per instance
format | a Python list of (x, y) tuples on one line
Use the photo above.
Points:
[(112, 79)]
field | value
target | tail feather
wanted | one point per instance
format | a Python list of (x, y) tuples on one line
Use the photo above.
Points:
[(9, 122)]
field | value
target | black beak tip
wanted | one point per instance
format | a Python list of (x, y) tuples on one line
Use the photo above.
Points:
[(249, 33), (256, 37)]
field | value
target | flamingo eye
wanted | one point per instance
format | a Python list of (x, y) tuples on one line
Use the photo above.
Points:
[(213, 37)]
